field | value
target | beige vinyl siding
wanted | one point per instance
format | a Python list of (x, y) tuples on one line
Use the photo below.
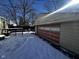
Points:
[(57, 18), (70, 36)]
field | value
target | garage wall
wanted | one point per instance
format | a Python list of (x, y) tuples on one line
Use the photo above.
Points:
[(50, 32), (70, 36)]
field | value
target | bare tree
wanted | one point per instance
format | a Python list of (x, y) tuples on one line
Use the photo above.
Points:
[(13, 11), (22, 8), (9, 11)]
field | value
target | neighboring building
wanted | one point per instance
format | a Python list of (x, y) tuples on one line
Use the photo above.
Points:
[(3, 23)]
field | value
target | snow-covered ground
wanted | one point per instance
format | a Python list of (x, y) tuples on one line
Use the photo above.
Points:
[(27, 46)]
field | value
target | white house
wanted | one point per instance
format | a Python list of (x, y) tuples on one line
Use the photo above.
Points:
[(3, 23)]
